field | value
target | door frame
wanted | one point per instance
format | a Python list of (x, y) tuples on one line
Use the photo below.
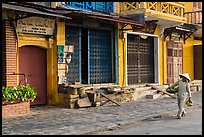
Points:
[(156, 55), (113, 64), (177, 58), (42, 42)]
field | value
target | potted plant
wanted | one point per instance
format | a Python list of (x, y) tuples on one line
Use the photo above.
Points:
[(19, 93)]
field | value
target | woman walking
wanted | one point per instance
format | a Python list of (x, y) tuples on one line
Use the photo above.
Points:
[(183, 93)]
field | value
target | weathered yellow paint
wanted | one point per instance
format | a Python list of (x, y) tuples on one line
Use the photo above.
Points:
[(54, 98), (161, 56), (188, 6), (157, 14), (188, 62), (188, 57), (60, 33), (30, 39), (197, 42), (121, 48)]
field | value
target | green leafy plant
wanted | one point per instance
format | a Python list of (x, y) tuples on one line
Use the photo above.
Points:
[(21, 92)]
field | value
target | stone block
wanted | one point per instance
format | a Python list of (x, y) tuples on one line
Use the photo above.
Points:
[(72, 91), (83, 102), (81, 90), (70, 96), (153, 96)]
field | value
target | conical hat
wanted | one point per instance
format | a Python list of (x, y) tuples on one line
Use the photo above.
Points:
[(186, 76)]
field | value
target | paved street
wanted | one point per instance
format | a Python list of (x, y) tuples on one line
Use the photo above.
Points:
[(95, 120), (167, 124)]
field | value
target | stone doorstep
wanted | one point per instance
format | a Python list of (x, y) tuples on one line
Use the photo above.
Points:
[(134, 92), (153, 96), (124, 97)]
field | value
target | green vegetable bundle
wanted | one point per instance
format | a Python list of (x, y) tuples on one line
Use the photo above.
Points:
[(172, 90), (189, 102)]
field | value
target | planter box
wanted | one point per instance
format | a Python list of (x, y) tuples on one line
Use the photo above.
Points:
[(17, 108)]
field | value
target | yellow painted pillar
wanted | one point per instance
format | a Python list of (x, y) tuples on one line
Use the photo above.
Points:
[(163, 55), (52, 88), (121, 55)]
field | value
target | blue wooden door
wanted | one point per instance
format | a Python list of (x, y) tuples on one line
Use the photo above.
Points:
[(73, 38), (100, 57)]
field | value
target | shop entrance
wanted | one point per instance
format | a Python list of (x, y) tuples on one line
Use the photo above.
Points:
[(33, 63), (174, 61), (140, 59), (92, 60)]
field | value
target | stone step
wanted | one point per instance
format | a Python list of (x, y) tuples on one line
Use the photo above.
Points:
[(195, 88), (141, 94), (142, 88), (153, 96), (196, 82)]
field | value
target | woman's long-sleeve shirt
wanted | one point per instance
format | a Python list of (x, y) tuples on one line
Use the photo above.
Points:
[(183, 88)]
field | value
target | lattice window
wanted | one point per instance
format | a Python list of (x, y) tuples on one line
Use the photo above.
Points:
[(165, 8), (175, 11), (131, 5), (152, 5)]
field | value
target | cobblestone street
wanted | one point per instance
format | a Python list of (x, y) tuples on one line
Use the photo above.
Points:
[(47, 120)]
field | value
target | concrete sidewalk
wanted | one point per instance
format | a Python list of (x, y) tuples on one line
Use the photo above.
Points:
[(47, 120)]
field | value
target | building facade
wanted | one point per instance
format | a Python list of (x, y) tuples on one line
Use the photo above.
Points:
[(171, 42), (124, 43)]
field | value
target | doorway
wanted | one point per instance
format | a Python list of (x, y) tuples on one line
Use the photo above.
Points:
[(140, 59), (84, 55), (33, 63), (92, 60), (197, 62), (174, 61)]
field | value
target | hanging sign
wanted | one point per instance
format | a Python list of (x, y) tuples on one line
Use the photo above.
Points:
[(36, 25)]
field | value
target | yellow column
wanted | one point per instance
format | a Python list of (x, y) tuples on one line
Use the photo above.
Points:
[(52, 88)]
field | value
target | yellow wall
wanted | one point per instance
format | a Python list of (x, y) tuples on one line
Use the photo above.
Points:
[(121, 50), (188, 6), (161, 55), (188, 62), (54, 98), (188, 57)]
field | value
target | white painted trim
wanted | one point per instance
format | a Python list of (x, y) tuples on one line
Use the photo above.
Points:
[(125, 36), (156, 55), (139, 33), (156, 61)]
